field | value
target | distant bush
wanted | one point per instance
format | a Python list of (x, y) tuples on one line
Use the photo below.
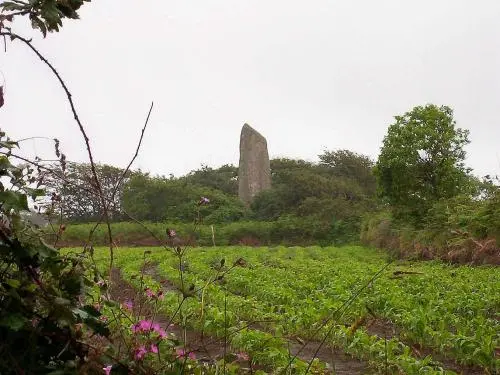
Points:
[(461, 229), (287, 230)]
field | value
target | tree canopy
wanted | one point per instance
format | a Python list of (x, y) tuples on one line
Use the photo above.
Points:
[(422, 161)]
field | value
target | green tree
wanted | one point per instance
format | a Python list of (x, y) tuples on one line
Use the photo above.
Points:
[(80, 200), (160, 199), (319, 192), (422, 161), (224, 178), (351, 165)]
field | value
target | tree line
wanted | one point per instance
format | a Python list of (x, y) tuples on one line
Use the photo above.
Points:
[(340, 186), (420, 169)]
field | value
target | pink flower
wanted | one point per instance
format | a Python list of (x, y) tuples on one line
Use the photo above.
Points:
[(161, 332), (154, 348), (148, 326), (107, 369), (140, 352), (103, 318), (181, 353), (171, 233), (243, 356), (128, 305), (144, 325), (160, 295), (149, 293)]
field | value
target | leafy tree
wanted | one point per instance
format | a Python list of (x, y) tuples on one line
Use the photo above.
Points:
[(161, 199), (80, 201), (313, 191), (270, 204), (351, 165), (224, 178), (422, 161)]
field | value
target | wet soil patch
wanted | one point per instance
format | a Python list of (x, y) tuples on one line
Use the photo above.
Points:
[(341, 362)]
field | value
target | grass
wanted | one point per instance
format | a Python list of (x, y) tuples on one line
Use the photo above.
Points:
[(416, 317)]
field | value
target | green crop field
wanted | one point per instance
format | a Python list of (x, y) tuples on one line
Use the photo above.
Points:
[(370, 314)]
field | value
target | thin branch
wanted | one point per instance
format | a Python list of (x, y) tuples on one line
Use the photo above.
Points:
[(120, 181), (82, 131), (31, 138), (125, 171)]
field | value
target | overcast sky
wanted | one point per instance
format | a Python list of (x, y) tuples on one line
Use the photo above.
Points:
[(308, 75)]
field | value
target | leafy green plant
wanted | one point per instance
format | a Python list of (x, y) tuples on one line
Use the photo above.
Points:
[(45, 15), (41, 316)]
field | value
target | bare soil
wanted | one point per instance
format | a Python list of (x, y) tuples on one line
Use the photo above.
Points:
[(341, 362)]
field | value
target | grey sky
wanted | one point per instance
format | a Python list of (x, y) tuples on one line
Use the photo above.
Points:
[(308, 75)]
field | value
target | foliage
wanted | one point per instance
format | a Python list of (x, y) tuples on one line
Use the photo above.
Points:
[(333, 195), (80, 200), (353, 166), (421, 162), (160, 199), (287, 230), (45, 15), (444, 310), (224, 178), (41, 319), (459, 229)]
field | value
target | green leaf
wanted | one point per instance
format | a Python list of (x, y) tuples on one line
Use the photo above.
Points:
[(81, 313), (91, 310), (111, 303), (13, 283), (37, 23), (10, 6), (5, 163), (62, 301), (13, 321), (98, 327), (13, 200)]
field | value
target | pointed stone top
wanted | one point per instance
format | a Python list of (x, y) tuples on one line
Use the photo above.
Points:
[(247, 129)]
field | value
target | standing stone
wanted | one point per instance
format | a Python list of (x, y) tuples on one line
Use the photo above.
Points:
[(255, 170)]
